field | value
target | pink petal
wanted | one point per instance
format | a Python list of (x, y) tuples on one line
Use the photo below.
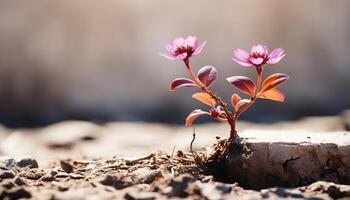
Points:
[(241, 55), (276, 53), (246, 64), (167, 56), (266, 50), (275, 60), (191, 41), (181, 56), (257, 61), (260, 49), (170, 49), (178, 42), (199, 49)]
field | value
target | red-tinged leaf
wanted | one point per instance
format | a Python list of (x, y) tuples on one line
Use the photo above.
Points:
[(242, 103), (235, 98), (204, 98), (272, 94), (207, 75), (243, 83), (194, 115), (181, 82), (273, 81)]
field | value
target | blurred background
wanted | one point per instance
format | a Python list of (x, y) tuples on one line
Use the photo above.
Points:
[(98, 60)]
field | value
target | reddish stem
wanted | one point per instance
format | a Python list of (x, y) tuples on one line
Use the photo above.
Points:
[(229, 115)]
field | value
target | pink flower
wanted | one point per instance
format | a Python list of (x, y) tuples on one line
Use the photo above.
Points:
[(258, 56), (183, 49)]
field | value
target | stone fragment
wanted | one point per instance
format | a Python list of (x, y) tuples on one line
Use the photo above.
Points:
[(133, 195), (146, 175), (117, 181), (289, 159), (15, 193), (32, 174), (5, 174), (19, 181), (7, 184), (28, 162), (178, 185), (66, 166), (7, 163)]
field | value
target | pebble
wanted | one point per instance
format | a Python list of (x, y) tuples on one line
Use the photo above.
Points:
[(32, 174), (15, 193), (8, 184), (6, 174), (28, 162), (179, 185), (7, 163), (66, 166), (118, 182), (140, 195), (48, 178), (19, 181)]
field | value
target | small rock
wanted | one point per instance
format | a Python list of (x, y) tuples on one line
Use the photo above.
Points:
[(28, 162), (53, 173), (48, 178), (19, 181), (66, 166), (140, 196), (6, 174), (179, 185), (62, 175), (32, 174), (15, 193), (7, 184), (118, 182), (7, 163), (76, 176), (145, 175), (62, 188)]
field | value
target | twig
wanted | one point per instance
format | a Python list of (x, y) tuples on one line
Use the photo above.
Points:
[(191, 145), (197, 158), (135, 160), (172, 152)]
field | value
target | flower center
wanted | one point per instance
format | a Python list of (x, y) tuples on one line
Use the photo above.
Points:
[(180, 50), (258, 58)]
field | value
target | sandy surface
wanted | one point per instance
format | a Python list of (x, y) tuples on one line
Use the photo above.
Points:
[(82, 160), (80, 139)]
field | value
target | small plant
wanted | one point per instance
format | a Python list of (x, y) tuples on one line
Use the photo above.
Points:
[(185, 49)]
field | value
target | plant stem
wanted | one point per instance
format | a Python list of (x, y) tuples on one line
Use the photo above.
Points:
[(232, 138), (253, 97), (229, 115)]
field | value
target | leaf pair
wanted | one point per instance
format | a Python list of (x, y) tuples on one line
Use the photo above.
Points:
[(206, 75), (215, 113), (207, 99), (268, 90)]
